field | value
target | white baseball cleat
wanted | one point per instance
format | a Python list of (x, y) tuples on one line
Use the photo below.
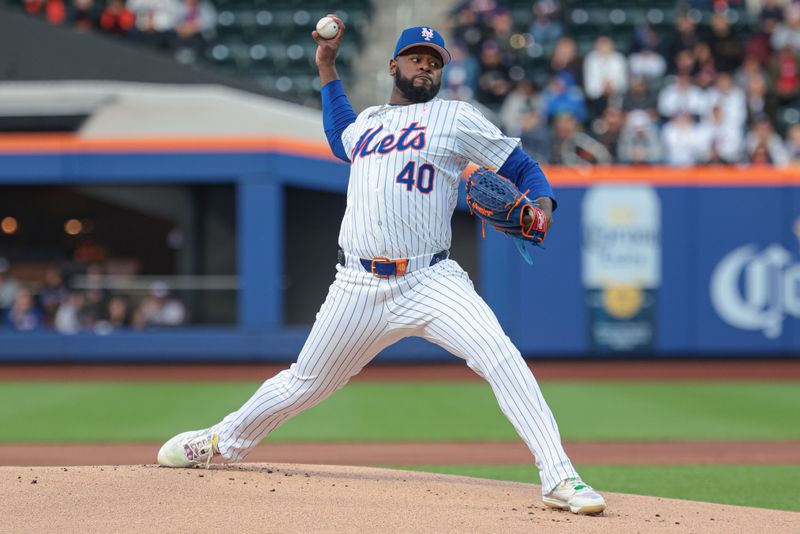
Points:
[(575, 495), (189, 449)]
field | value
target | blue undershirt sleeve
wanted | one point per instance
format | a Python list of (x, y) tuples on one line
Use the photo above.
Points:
[(521, 169), (337, 115)]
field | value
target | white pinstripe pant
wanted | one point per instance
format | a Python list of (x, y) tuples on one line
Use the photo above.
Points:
[(361, 316)]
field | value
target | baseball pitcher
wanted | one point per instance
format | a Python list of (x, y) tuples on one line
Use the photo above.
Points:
[(394, 276)]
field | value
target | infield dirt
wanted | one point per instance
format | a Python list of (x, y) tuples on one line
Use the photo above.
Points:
[(315, 498)]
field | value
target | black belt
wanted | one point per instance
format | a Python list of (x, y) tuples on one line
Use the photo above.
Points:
[(386, 267)]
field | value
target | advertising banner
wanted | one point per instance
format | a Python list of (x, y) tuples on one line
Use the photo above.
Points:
[(749, 264), (621, 266)]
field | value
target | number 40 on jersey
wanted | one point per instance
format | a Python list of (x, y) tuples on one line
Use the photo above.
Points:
[(421, 178)]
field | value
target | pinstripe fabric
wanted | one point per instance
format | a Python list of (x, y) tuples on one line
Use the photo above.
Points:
[(442, 300), (361, 316), (427, 145), (350, 329), (382, 217)]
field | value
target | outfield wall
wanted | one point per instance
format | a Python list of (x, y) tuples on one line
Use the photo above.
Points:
[(652, 261)]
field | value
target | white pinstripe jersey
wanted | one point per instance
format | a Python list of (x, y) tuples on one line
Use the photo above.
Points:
[(404, 175)]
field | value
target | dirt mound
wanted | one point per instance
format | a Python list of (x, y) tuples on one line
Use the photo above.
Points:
[(314, 498), (438, 453)]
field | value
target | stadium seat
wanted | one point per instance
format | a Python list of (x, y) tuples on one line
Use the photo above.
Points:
[(264, 19), (598, 16), (788, 116), (277, 52)]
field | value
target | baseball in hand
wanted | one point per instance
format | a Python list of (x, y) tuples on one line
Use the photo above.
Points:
[(327, 28)]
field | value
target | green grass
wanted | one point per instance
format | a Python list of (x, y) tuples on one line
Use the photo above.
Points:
[(403, 411), (773, 486)]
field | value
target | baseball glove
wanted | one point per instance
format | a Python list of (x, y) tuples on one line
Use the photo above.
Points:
[(498, 202)]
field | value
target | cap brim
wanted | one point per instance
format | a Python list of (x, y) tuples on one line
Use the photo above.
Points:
[(442, 52)]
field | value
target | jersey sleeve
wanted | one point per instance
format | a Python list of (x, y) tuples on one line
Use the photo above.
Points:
[(337, 115), (480, 141)]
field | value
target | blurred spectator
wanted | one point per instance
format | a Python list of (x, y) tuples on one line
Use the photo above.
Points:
[(764, 145), (118, 312), (723, 141), (639, 143), (522, 100), (573, 147), (647, 37), (95, 297), (605, 74), (560, 97), (501, 29), (730, 99), (494, 83), (608, 127), (785, 72), (9, 288), (156, 20), (684, 145), (24, 316), (639, 97), (685, 62), (196, 22), (68, 316), (155, 15), (484, 8), (460, 78), (771, 10), (53, 11), (760, 155), (793, 144), (159, 309), (648, 64), (53, 294), (750, 67), (681, 96), (788, 32), (85, 15), (546, 29), (535, 136), (117, 316), (196, 26), (468, 29), (705, 67), (684, 38), (94, 302), (565, 60), (725, 45), (760, 101), (759, 44), (117, 19)]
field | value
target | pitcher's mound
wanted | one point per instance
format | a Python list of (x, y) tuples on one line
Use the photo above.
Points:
[(314, 498)]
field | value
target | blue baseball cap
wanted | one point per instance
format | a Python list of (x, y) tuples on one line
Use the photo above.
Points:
[(422, 36)]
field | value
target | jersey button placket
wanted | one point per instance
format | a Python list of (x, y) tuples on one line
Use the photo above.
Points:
[(381, 171), (376, 190), (380, 184)]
